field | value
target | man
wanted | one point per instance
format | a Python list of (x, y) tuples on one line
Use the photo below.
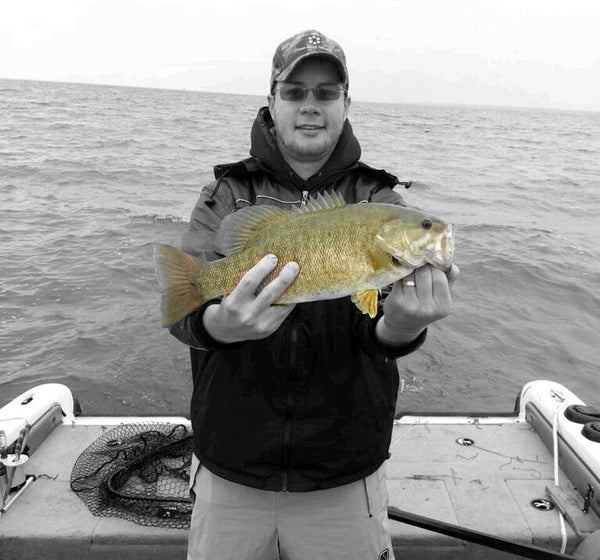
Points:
[(292, 406)]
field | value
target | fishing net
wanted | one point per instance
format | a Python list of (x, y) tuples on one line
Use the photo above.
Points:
[(139, 472)]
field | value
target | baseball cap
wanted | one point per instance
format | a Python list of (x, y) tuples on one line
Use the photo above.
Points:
[(301, 46)]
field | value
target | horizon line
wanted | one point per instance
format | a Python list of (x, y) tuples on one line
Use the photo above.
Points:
[(543, 107)]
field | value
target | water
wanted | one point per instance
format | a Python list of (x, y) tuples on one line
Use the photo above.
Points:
[(92, 176)]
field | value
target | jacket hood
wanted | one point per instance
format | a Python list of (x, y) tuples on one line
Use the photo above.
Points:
[(264, 149)]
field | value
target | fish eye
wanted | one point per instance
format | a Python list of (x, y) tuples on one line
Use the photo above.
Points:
[(426, 224)]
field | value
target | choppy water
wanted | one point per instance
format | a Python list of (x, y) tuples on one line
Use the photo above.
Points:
[(92, 176)]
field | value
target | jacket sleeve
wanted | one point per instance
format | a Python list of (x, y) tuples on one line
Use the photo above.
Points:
[(365, 330), (200, 241), (387, 195)]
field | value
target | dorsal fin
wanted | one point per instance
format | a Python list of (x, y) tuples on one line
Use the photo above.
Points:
[(242, 226), (326, 201)]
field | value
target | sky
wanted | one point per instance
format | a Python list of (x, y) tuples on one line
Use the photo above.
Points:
[(527, 53)]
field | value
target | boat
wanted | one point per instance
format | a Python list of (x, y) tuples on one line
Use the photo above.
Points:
[(525, 483)]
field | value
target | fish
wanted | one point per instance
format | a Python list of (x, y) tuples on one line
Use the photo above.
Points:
[(341, 249)]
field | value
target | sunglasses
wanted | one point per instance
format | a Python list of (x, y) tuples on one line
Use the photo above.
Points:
[(299, 93)]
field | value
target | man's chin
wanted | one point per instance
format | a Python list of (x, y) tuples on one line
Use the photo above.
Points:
[(310, 150)]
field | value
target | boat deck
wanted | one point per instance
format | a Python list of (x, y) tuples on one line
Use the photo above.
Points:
[(488, 487)]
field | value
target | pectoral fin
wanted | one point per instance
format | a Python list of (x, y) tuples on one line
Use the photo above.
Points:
[(366, 301)]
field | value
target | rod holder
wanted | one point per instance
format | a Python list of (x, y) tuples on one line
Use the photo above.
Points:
[(14, 476)]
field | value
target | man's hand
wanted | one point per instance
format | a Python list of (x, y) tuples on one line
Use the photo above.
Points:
[(246, 315), (408, 309)]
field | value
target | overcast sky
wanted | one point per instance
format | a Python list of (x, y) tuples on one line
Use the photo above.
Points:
[(543, 53)]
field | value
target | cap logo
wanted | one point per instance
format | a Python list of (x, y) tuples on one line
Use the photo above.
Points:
[(314, 41)]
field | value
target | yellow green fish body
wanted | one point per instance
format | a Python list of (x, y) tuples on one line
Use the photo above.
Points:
[(341, 250)]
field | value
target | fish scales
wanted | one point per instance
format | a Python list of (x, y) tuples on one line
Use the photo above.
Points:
[(332, 249)]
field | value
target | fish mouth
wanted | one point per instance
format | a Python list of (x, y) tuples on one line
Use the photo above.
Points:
[(443, 252)]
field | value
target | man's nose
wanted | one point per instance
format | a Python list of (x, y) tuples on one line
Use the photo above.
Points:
[(310, 103)]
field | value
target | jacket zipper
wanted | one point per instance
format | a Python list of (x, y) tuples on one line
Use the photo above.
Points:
[(289, 402), (289, 407)]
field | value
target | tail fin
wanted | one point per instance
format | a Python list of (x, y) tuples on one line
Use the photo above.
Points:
[(178, 277)]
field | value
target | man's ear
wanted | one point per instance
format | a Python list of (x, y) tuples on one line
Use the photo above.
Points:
[(347, 103)]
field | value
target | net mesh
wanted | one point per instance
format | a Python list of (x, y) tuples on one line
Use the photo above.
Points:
[(139, 472)]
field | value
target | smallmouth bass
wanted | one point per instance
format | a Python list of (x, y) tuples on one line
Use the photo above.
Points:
[(341, 249)]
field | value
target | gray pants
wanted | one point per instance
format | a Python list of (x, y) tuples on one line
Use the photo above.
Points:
[(234, 522)]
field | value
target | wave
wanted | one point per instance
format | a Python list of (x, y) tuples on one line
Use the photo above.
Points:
[(60, 125), (117, 143), (170, 219)]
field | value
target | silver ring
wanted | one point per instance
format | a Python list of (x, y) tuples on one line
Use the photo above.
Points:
[(409, 283)]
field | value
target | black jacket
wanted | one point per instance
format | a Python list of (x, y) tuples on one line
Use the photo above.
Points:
[(312, 405)]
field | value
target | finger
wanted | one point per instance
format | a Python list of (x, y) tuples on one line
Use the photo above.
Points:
[(273, 290), (423, 281), (441, 289), (252, 279), (453, 274), (267, 321), (276, 314), (408, 283)]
